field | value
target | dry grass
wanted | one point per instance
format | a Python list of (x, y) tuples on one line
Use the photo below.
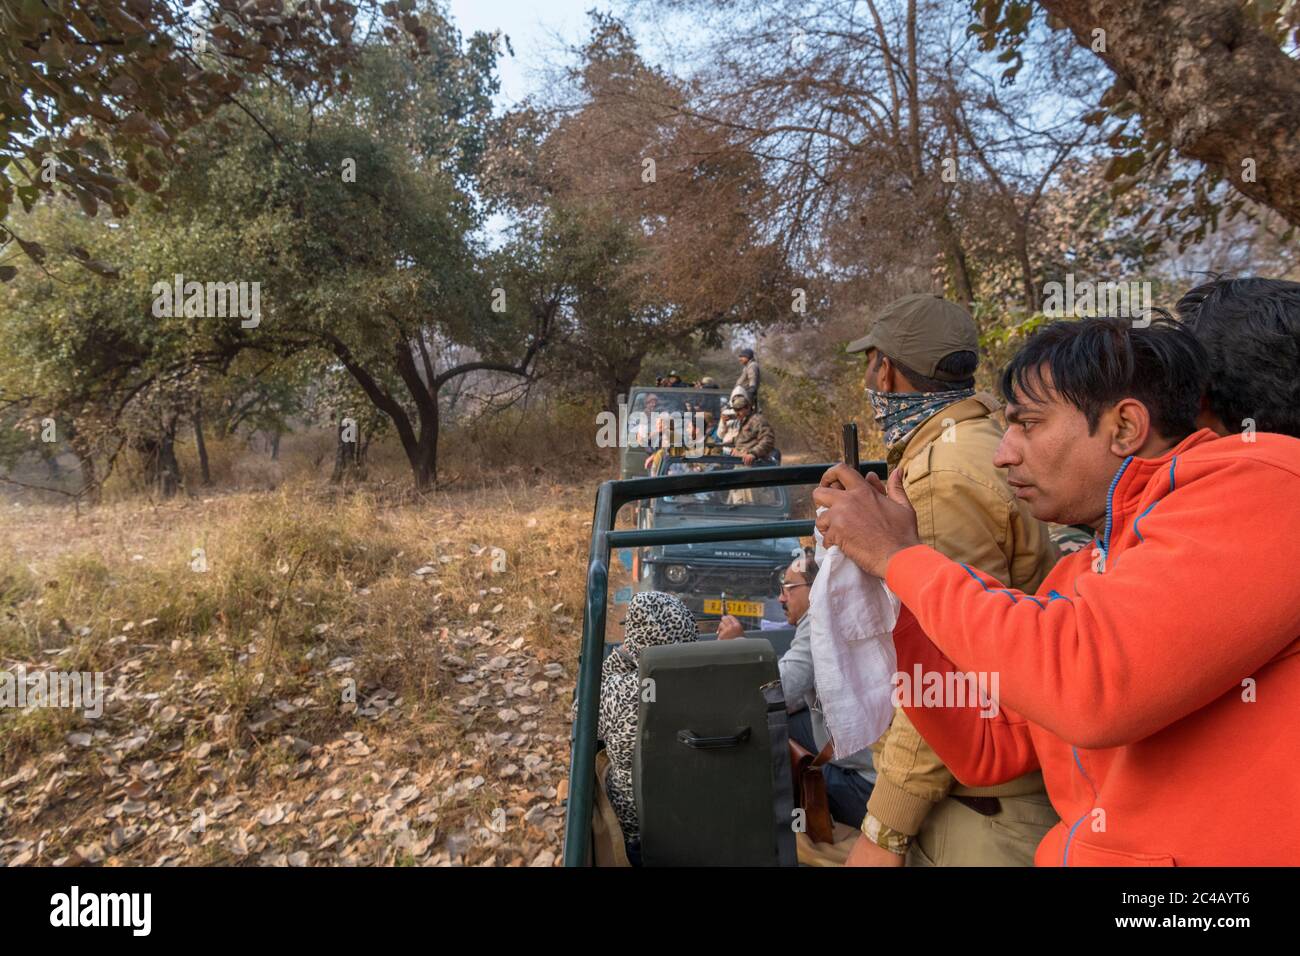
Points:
[(305, 594), (280, 565)]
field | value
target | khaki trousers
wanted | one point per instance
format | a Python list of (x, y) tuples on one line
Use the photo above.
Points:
[(955, 835)]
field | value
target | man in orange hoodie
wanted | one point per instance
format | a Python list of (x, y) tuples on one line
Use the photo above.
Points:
[(1155, 678)]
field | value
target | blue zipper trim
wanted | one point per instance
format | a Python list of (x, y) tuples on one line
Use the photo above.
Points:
[(1140, 517), (1078, 763), (986, 587), (1065, 859), (1104, 543), (1110, 494), (1027, 597), (1156, 502)]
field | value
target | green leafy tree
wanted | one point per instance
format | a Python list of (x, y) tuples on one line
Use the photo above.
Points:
[(353, 219), (97, 94)]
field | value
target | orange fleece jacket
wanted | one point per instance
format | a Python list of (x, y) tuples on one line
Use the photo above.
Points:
[(1154, 678)]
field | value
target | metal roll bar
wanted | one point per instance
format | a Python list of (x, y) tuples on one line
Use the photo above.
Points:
[(612, 496)]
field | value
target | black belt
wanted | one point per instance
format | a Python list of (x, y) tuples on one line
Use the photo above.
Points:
[(985, 806)]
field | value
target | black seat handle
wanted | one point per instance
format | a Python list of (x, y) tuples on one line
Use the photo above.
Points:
[(695, 742)]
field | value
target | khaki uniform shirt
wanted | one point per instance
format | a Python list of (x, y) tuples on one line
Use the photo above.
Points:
[(755, 437), (748, 380)]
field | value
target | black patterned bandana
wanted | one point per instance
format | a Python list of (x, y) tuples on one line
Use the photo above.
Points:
[(898, 413)]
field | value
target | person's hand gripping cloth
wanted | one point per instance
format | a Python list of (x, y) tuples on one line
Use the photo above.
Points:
[(853, 616)]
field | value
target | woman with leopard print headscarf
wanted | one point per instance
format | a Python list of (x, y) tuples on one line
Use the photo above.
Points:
[(653, 617)]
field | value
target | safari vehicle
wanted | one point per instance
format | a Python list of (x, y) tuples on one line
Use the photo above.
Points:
[(711, 774), (745, 573), (638, 443)]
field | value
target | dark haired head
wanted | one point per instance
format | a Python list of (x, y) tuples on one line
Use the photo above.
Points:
[(805, 563), (958, 366), (1094, 363), (1251, 330)]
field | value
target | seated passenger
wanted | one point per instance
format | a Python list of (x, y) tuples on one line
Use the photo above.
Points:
[(755, 441), (848, 781), (653, 617), (698, 424), (653, 429), (727, 429), (645, 427)]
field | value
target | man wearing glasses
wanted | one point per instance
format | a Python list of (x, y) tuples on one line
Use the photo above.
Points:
[(848, 781)]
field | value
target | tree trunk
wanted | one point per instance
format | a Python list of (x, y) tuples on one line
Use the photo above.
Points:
[(169, 469), (158, 457), (1208, 74), (89, 480), (347, 459), (1026, 267), (365, 444), (424, 456), (275, 445), (619, 381), (614, 391), (202, 446), (422, 448), (955, 255)]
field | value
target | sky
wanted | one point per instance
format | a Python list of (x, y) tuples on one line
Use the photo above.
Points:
[(536, 28)]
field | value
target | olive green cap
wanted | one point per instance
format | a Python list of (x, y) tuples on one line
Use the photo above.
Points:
[(920, 331)]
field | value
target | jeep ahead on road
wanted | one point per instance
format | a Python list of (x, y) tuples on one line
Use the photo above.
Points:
[(654, 416), (747, 573)]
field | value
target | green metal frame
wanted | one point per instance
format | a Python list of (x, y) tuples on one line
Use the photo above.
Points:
[(611, 497)]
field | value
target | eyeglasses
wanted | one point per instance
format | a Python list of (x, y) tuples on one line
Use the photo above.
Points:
[(787, 587)]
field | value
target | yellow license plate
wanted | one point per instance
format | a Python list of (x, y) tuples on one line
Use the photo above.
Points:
[(738, 608)]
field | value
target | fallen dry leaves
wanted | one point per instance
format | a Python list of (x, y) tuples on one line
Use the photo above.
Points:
[(171, 774)]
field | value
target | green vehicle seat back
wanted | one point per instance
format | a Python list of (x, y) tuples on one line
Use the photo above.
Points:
[(711, 769)]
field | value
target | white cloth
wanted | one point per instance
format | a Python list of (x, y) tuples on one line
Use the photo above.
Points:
[(853, 616)]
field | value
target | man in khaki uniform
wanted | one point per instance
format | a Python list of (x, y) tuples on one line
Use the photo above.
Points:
[(749, 376), (921, 358), (756, 441)]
